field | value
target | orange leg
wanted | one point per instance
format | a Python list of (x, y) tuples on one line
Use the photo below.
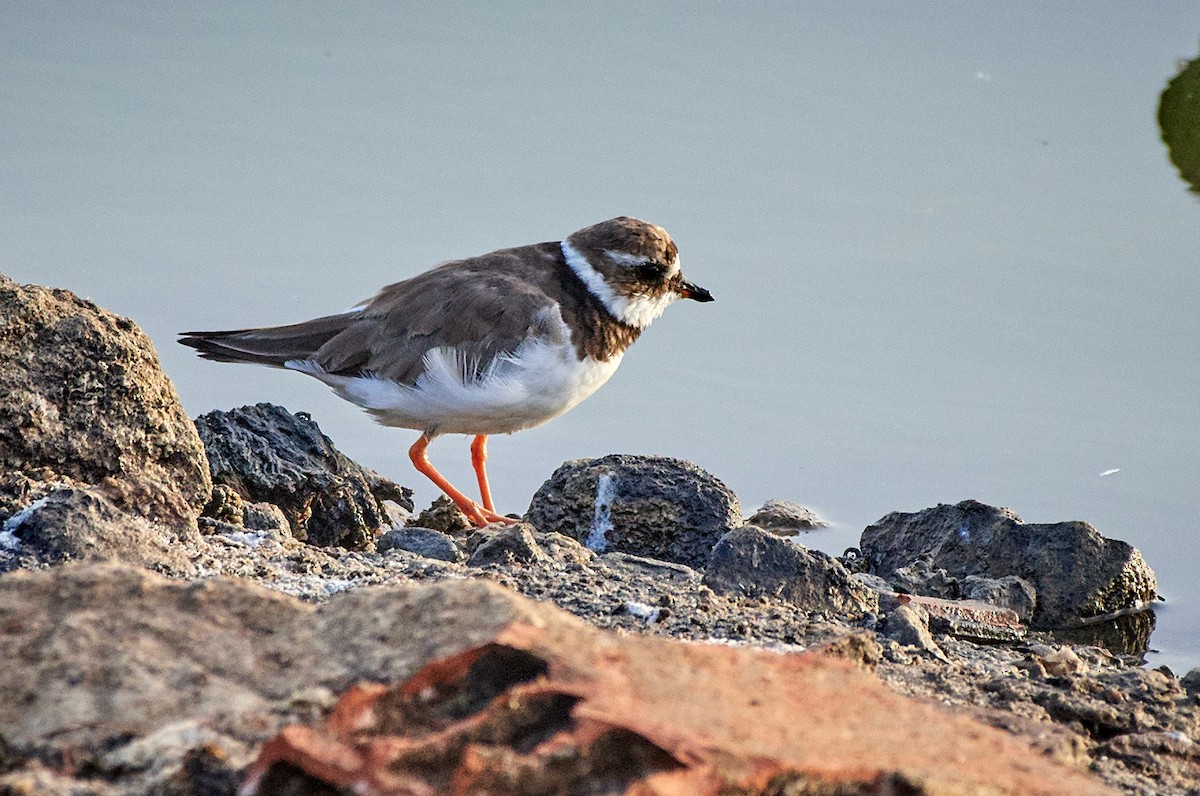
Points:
[(477, 514), (478, 459)]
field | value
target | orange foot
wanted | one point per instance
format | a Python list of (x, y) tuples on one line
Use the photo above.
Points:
[(478, 515)]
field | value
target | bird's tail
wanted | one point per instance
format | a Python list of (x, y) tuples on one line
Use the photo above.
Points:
[(273, 345)]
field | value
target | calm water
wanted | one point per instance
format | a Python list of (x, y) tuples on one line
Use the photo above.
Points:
[(950, 257)]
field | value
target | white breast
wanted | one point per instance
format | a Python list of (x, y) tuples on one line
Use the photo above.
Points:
[(539, 381)]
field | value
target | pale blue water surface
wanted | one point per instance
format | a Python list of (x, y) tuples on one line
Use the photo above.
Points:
[(950, 256)]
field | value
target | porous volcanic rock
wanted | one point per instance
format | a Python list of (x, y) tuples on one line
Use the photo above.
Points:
[(84, 401), (750, 562), (785, 518), (422, 541), (1076, 573), (72, 524), (267, 454), (647, 505), (512, 545)]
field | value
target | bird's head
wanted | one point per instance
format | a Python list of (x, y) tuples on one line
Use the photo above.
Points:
[(632, 267)]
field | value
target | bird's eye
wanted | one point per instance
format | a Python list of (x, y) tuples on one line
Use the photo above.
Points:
[(651, 272)]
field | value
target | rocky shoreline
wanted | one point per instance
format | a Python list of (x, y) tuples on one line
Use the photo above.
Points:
[(230, 605)]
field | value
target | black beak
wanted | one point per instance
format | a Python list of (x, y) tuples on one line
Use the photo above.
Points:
[(693, 292)]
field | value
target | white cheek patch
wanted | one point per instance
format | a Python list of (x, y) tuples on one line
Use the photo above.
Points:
[(637, 311)]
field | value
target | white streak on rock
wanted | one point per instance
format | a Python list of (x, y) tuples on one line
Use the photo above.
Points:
[(16, 521), (606, 490)]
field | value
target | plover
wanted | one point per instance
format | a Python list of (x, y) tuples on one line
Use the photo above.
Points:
[(487, 345)]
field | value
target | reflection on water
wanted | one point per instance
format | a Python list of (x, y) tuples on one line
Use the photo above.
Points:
[(1128, 634), (1179, 120)]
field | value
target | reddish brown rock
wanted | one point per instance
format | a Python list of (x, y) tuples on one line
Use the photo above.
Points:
[(556, 708)]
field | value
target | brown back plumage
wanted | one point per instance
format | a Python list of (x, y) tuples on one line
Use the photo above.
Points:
[(485, 305)]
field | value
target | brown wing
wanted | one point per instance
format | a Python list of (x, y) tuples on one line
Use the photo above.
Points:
[(485, 306)]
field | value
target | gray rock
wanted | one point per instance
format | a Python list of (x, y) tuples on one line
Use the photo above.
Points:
[(753, 563), (265, 517), (873, 582), (72, 524), (920, 578), (1076, 572), (667, 570), (442, 515), (83, 401), (422, 541), (1011, 592), (120, 666), (563, 550), (513, 545), (1191, 682), (266, 453), (909, 626), (785, 518), (646, 505)]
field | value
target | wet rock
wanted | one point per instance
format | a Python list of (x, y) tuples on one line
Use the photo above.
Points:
[(1076, 572), (753, 563), (1125, 633), (646, 505), (84, 401), (265, 453), (1010, 592), (72, 524), (422, 541), (512, 545), (785, 519)]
